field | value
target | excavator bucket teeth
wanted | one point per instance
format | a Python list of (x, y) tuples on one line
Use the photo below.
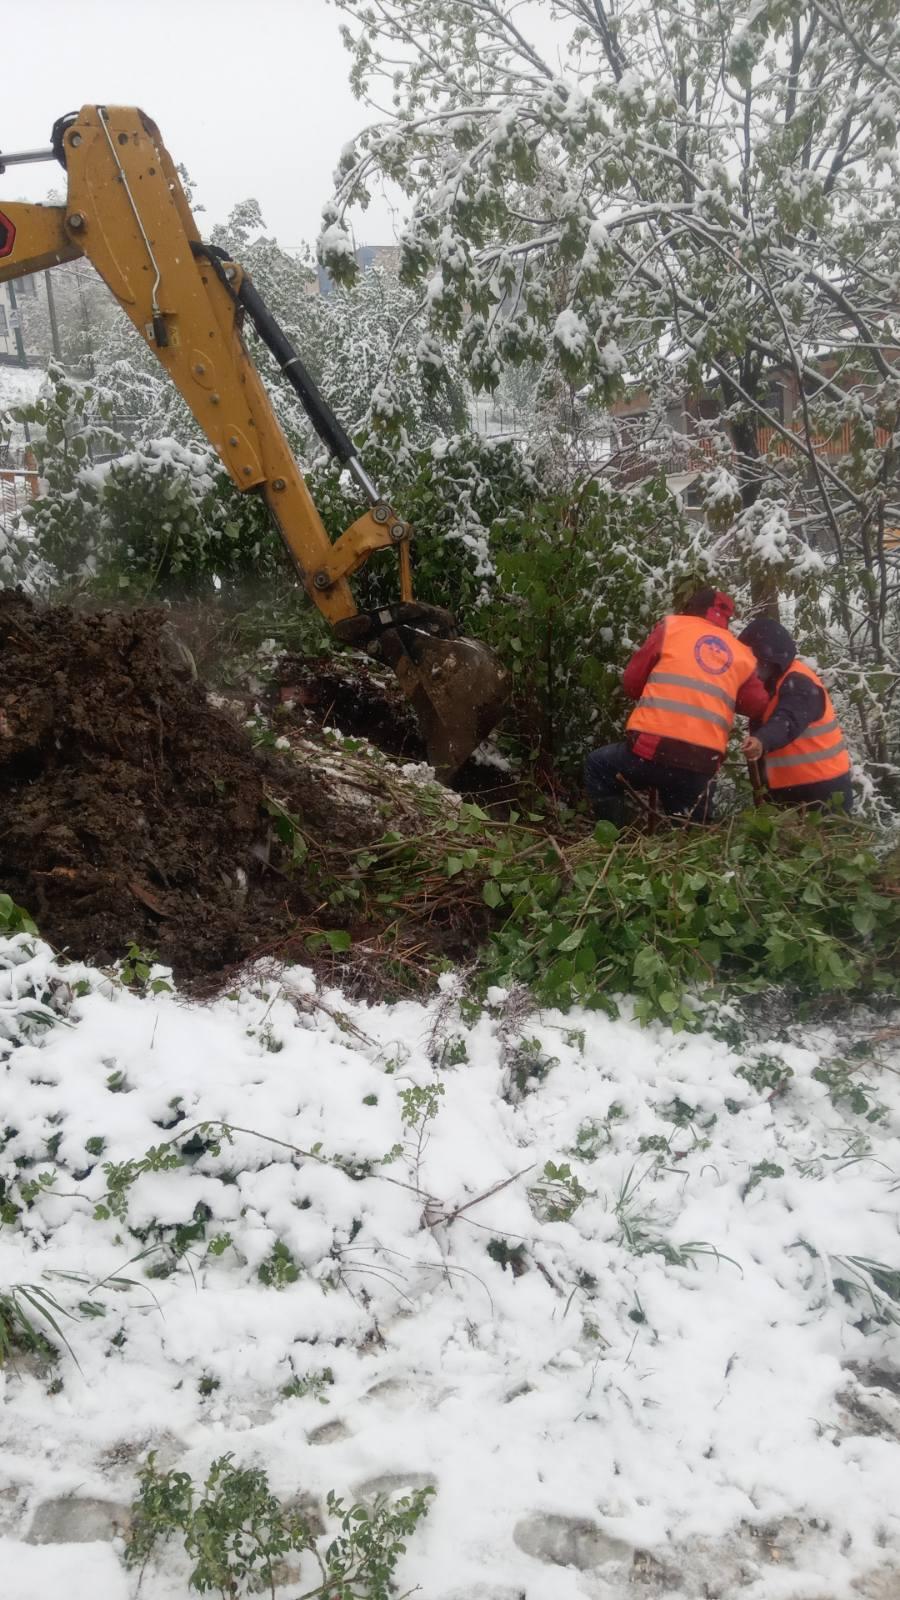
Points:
[(458, 689)]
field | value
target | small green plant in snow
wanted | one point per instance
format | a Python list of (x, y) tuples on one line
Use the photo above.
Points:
[(420, 1104), (454, 1052), (311, 1385), (558, 1194), (136, 968), (279, 1268), (18, 1194), (847, 1092), (237, 1534), (595, 1135), (766, 1074), (762, 1169), (26, 1311), (121, 1177), (528, 1065)]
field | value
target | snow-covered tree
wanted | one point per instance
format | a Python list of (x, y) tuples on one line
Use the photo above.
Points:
[(366, 346), (378, 364), (694, 204)]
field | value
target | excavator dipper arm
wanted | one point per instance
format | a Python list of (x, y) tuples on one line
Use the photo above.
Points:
[(127, 213)]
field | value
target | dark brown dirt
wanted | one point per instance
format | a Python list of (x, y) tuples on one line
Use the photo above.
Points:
[(132, 811), (344, 692), (310, 693)]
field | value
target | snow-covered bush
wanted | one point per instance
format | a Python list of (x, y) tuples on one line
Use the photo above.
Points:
[(19, 561), (466, 498), (71, 427), (380, 368), (159, 520), (173, 524)]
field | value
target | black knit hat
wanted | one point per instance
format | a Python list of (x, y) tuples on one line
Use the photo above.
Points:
[(770, 642)]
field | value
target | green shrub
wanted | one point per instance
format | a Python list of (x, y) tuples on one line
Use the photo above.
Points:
[(71, 429), (577, 591), (174, 524), (765, 898)]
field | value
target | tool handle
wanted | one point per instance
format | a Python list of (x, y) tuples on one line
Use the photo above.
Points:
[(756, 782)]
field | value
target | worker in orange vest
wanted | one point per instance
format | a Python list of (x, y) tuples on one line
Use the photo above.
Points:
[(688, 678), (798, 738)]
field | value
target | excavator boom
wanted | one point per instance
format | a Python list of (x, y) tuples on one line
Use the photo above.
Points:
[(127, 213)]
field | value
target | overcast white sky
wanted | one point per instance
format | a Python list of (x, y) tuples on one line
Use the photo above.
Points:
[(252, 95)]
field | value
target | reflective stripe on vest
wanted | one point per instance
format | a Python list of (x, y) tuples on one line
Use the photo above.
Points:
[(690, 695), (817, 755), (687, 708)]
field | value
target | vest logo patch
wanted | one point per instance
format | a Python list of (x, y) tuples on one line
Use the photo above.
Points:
[(713, 655)]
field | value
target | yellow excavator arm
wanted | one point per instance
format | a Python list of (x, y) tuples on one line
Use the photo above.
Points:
[(127, 213)]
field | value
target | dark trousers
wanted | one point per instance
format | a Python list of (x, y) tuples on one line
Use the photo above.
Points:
[(833, 792), (682, 793)]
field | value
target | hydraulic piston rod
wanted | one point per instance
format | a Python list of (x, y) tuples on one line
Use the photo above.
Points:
[(23, 158)]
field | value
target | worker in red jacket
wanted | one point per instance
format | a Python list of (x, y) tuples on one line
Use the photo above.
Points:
[(689, 679), (798, 737)]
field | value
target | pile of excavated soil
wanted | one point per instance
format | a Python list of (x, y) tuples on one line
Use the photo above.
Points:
[(132, 810)]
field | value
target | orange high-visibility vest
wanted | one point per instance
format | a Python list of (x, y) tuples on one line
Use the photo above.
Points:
[(692, 690), (820, 752)]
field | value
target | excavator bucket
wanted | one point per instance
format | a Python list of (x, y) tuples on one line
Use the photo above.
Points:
[(457, 687), (460, 689)]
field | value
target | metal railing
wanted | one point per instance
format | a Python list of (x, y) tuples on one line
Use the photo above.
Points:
[(19, 483)]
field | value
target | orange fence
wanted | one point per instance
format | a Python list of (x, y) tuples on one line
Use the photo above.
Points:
[(839, 443), (631, 464), (28, 472)]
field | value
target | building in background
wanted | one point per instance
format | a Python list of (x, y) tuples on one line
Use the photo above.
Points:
[(384, 256), (687, 441)]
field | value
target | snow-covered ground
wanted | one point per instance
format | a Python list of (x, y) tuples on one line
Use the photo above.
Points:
[(19, 385), (682, 1388)]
